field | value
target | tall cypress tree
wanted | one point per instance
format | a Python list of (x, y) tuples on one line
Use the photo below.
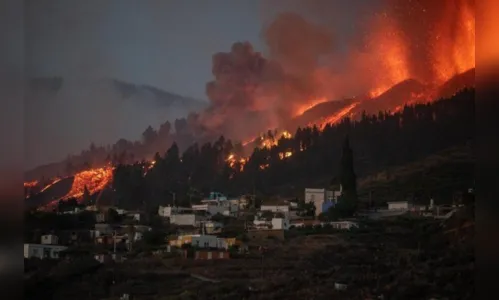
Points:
[(348, 180)]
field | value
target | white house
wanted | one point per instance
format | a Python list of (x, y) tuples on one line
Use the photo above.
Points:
[(398, 205), (43, 251), (49, 239)]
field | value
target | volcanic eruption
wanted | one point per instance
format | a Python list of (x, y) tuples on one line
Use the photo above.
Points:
[(403, 53), (411, 49)]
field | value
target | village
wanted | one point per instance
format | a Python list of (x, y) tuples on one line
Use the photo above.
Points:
[(201, 241), (207, 227)]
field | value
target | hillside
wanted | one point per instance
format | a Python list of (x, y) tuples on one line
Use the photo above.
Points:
[(437, 176), (63, 116)]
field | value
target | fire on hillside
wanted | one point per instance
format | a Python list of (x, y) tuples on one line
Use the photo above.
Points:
[(404, 60)]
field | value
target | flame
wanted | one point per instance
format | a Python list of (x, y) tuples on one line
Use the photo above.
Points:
[(232, 160), (149, 166), (454, 49), (31, 184), (286, 154), (270, 141), (389, 47), (94, 179)]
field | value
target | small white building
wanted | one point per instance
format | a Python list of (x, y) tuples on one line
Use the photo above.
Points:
[(49, 239), (43, 251), (319, 196), (398, 205)]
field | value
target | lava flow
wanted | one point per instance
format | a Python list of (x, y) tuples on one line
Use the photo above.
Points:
[(94, 180)]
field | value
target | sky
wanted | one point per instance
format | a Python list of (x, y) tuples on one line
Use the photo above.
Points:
[(168, 44)]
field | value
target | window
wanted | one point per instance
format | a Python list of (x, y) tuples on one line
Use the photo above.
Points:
[(36, 253)]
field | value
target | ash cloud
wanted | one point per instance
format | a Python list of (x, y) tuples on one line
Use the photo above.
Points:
[(251, 93)]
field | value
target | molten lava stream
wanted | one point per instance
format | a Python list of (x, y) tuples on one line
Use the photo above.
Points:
[(94, 180), (339, 115)]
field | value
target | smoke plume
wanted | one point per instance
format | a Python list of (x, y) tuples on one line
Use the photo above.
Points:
[(309, 60)]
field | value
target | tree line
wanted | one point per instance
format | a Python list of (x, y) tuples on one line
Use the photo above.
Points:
[(378, 141)]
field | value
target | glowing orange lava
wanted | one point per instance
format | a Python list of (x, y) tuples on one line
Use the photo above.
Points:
[(309, 105), (339, 115), (454, 50), (31, 184), (389, 47), (54, 181), (94, 180)]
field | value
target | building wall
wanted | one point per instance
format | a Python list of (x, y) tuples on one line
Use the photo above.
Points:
[(205, 241), (316, 196), (49, 239), (326, 206), (398, 205), (275, 208), (183, 219), (42, 251), (165, 211), (280, 223)]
